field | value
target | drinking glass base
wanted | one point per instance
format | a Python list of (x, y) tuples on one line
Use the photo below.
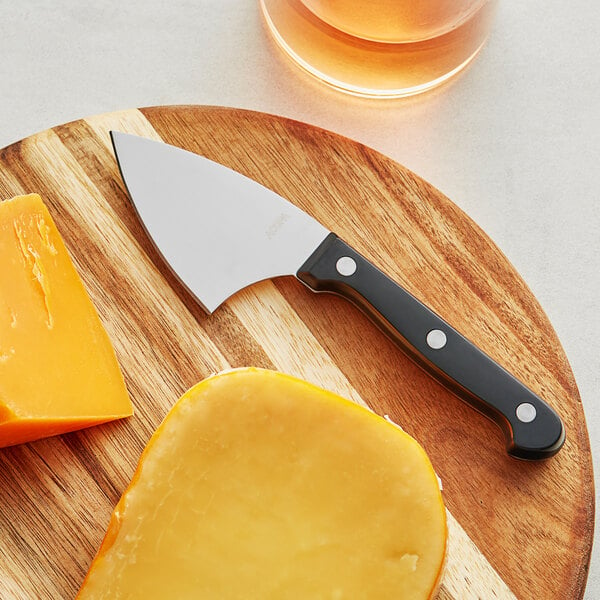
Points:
[(369, 68)]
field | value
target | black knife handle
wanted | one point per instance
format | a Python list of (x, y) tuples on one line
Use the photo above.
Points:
[(532, 429)]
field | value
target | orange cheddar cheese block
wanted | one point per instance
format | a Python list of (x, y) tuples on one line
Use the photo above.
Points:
[(258, 485), (58, 369)]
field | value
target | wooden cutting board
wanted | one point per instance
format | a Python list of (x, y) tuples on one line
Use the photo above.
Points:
[(517, 529)]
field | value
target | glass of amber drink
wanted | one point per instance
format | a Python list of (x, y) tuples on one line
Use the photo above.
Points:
[(380, 48)]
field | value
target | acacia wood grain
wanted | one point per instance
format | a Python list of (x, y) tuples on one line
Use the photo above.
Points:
[(515, 527)]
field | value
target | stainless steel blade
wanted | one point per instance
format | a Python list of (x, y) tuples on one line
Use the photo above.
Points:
[(218, 230)]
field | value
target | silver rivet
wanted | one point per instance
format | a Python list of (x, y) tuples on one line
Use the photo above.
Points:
[(526, 412), (436, 339), (346, 266)]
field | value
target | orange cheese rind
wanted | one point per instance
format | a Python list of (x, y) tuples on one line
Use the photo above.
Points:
[(342, 487)]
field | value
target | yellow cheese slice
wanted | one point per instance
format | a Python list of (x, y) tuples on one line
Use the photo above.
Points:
[(258, 485), (58, 370)]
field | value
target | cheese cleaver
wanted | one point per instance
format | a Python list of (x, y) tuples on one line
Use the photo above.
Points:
[(220, 231)]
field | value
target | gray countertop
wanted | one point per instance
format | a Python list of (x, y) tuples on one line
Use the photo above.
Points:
[(514, 140)]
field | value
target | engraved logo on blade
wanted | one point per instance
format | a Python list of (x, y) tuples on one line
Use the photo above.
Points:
[(276, 225)]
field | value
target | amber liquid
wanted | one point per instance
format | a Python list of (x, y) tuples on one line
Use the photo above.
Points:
[(380, 48), (395, 21)]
